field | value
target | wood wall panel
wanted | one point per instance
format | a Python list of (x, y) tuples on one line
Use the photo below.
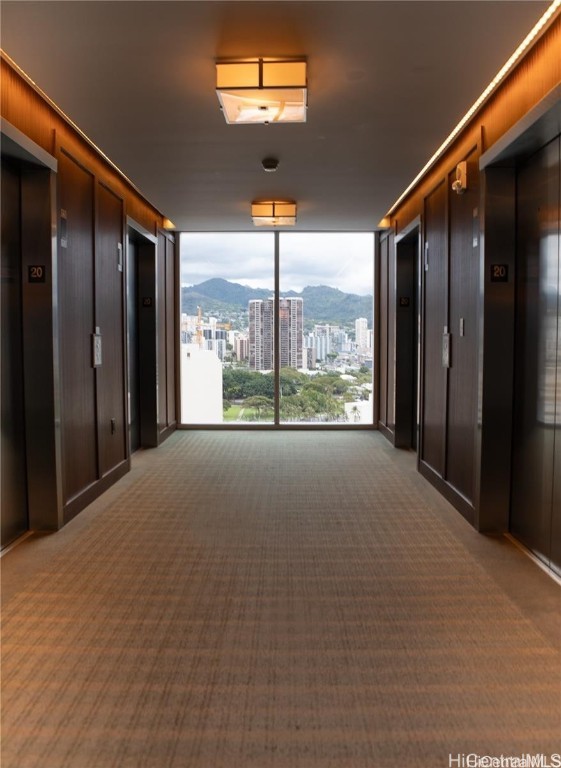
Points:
[(434, 322), (451, 451), (97, 198), (532, 79), (76, 313), (22, 106), (463, 288), (109, 318), (27, 110)]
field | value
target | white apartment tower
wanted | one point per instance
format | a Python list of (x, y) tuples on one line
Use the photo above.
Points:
[(361, 333)]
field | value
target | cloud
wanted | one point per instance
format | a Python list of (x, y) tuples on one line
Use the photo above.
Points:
[(236, 256), (340, 260)]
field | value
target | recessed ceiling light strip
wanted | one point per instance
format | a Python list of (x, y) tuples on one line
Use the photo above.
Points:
[(73, 125), (540, 27)]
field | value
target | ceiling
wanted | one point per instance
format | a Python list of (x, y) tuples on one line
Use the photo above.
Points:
[(387, 81)]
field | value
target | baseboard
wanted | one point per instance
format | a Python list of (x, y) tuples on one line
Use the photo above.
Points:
[(388, 433), (166, 432), (449, 492), (89, 494)]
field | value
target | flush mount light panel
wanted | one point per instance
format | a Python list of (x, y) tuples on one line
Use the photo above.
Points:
[(262, 90), (273, 213)]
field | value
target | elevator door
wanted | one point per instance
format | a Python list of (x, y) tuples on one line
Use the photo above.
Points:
[(132, 345), (12, 447), (406, 341), (536, 498)]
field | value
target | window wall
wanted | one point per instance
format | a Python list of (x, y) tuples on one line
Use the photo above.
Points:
[(326, 289), (276, 328)]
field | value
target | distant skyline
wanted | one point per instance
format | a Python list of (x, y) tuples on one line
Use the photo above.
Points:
[(339, 259)]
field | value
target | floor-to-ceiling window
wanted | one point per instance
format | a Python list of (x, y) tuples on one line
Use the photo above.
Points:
[(326, 334), (276, 328), (226, 328)]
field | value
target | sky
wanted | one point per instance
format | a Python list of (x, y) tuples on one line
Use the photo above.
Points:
[(341, 260)]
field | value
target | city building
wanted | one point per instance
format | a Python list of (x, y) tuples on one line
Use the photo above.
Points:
[(311, 357), (361, 333), (262, 333), (201, 381), (241, 347), (291, 313)]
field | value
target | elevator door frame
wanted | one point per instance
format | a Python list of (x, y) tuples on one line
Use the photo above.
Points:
[(536, 432), (14, 465), (39, 328), (497, 308), (147, 336), (407, 335)]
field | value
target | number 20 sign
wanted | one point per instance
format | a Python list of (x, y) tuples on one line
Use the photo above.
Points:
[(499, 273), (36, 273)]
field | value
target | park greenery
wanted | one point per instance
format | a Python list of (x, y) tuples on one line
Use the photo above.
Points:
[(249, 395)]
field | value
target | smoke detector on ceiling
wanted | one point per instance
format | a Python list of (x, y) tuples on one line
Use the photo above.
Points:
[(270, 164)]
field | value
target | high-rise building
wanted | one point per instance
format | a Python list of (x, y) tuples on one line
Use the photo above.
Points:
[(361, 333), (291, 318), (262, 333), (241, 346)]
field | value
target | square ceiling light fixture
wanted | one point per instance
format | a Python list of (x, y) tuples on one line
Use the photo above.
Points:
[(262, 90), (273, 213)]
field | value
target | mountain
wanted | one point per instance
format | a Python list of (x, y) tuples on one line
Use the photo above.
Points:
[(330, 305), (219, 297), (229, 293), (322, 304)]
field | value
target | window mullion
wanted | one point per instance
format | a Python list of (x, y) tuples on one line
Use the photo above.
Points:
[(276, 335)]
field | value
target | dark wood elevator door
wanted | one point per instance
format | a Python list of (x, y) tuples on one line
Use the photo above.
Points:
[(536, 468), (110, 375), (77, 323), (434, 375), (12, 448)]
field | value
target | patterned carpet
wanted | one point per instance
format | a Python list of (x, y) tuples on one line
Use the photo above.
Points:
[(275, 600)]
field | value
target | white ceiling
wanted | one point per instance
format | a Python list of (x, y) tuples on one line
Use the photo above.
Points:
[(387, 81)]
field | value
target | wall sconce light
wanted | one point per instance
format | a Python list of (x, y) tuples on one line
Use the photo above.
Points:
[(262, 90), (460, 184), (273, 213)]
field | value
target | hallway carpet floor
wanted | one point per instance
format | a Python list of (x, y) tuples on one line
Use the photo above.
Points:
[(275, 600)]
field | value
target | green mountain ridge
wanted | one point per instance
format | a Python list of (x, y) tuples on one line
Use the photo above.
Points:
[(322, 304)]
